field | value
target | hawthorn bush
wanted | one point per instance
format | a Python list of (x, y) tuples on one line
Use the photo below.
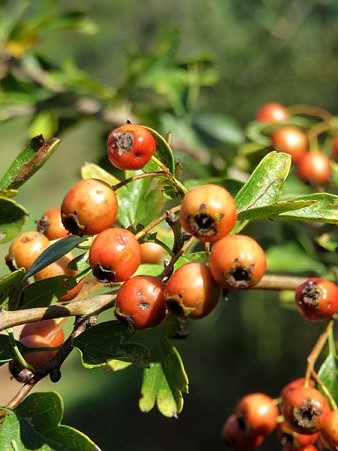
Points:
[(193, 199)]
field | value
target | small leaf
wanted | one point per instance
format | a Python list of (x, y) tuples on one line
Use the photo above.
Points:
[(328, 241), (107, 341), (9, 283), (12, 219), (163, 153), (91, 170), (35, 154), (328, 372), (266, 183), (273, 210), (165, 381), (54, 252), (36, 424), (6, 352)]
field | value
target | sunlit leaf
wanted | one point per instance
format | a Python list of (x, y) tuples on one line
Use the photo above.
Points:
[(12, 219)]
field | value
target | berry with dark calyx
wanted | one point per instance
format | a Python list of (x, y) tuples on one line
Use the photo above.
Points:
[(26, 248), (329, 429), (292, 440), (191, 291), (130, 146), (152, 253), (317, 299), (140, 302), (258, 412), (50, 224), (237, 262), (114, 255), (304, 409), (208, 212), (60, 268), (314, 167), (272, 112), (292, 140), (234, 435), (89, 207)]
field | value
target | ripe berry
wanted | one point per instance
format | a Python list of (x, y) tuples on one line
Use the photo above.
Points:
[(314, 167), (114, 255), (60, 268), (334, 149), (26, 248), (130, 146), (140, 302), (292, 440), (329, 429), (295, 385), (258, 412), (42, 334), (272, 112), (208, 212), (291, 140), (152, 253), (191, 291), (317, 299), (237, 262), (89, 207), (50, 224), (235, 436), (304, 409)]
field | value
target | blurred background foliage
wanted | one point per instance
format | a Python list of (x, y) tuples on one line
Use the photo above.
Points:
[(199, 70)]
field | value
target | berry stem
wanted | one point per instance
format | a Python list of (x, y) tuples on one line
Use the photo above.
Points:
[(310, 111), (181, 189), (156, 221), (277, 282), (184, 248), (317, 349), (138, 177)]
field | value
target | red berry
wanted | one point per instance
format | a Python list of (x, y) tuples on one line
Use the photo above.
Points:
[(50, 224), (295, 385), (26, 248), (304, 409), (237, 262), (258, 412), (50, 329), (208, 212), (60, 268), (317, 299), (292, 440), (140, 302), (152, 253), (235, 436), (334, 148), (89, 207), (37, 359), (272, 112), (315, 168), (291, 140), (130, 146), (329, 429), (114, 255), (191, 291)]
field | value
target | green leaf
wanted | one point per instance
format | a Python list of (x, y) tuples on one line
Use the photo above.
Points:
[(266, 183), (9, 283), (35, 154), (328, 372), (165, 381), (163, 153), (256, 132), (91, 170), (43, 292), (54, 252), (36, 424), (12, 219), (323, 208), (107, 341), (328, 241), (273, 210), (6, 353)]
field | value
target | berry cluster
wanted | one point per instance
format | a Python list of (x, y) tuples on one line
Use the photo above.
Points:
[(301, 418), (313, 164)]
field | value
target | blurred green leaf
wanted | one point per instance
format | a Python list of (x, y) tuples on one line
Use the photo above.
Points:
[(221, 128), (28, 162), (256, 132), (12, 219), (266, 182), (36, 424), (91, 170), (328, 241), (328, 372), (6, 352), (44, 123), (107, 341), (55, 251), (290, 257)]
